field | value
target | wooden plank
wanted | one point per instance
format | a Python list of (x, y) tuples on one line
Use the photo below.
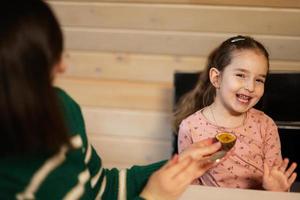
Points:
[(173, 43), (247, 20), (284, 66), (119, 94), (143, 67), (135, 67), (266, 3), (127, 123), (131, 151)]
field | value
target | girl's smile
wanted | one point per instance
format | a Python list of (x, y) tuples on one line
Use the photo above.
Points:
[(243, 98)]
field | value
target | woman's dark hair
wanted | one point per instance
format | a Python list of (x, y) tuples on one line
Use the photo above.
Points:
[(204, 93), (31, 44)]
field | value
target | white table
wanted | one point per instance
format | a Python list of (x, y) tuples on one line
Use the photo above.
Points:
[(196, 192)]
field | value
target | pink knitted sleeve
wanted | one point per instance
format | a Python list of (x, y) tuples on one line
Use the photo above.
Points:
[(272, 147)]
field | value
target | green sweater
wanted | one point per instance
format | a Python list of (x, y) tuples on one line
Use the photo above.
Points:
[(70, 174)]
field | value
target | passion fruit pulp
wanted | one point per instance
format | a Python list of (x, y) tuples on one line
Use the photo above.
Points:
[(226, 139)]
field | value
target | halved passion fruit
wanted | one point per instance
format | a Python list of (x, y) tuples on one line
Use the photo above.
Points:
[(226, 139)]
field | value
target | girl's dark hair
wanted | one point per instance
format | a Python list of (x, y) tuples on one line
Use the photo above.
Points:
[(31, 44), (204, 93)]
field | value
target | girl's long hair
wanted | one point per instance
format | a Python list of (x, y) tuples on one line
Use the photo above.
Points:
[(203, 93)]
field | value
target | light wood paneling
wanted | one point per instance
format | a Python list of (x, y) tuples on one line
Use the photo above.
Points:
[(129, 151), (139, 67), (180, 18), (132, 94), (135, 67), (119, 94), (284, 66), (128, 123), (267, 3), (173, 43)]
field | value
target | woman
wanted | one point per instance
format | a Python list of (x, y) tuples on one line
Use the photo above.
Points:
[(45, 153)]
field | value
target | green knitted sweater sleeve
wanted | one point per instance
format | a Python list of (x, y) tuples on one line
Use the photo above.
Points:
[(137, 177)]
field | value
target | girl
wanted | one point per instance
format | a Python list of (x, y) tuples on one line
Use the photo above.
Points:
[(223, 101), (44, 149)]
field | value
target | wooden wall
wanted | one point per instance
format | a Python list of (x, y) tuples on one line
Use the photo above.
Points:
[(122, 55)]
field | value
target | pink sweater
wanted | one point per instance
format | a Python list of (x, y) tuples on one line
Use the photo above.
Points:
[(257, 142)]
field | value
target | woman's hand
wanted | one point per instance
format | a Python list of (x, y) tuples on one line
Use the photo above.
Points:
[(279, 178), (170, 181)]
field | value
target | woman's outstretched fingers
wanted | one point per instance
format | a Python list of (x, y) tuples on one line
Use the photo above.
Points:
[(171, 162), (199, 153), (200, 149), (193, 171), (178, 167), (203, 167), (204, 143)]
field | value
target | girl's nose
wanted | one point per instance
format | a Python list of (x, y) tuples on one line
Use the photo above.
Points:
[(250, 85)]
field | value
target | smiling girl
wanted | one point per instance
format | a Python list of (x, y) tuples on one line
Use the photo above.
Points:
[(223, 101)]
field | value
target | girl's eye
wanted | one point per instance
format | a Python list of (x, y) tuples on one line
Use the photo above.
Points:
[(241, 75), (260, 80)]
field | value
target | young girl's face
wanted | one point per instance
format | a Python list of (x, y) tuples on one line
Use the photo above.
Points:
[(241, 83)]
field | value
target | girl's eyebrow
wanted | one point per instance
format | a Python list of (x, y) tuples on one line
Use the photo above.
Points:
[(247, 71)]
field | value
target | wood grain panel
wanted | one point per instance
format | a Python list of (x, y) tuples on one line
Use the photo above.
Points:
[(113, 93), (173, 43), (143, 67), (130, 151), (154, 68), (284, 66), (193, 18), (267, 3), (127, 123), (119, 94)]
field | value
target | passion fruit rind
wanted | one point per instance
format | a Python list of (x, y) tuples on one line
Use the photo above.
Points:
[(226, 139)]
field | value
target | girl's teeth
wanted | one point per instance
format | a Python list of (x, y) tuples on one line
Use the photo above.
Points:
[(243, 98)]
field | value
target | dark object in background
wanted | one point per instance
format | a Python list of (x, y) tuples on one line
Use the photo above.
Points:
[(183, 83), (281, 102)]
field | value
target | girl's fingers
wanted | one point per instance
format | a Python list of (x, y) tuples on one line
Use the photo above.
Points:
[(292, 178), (266, 170), (284, 165), (290, 170)]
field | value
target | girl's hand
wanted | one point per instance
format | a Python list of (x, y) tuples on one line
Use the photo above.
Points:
[(170, 181), (279, 178)]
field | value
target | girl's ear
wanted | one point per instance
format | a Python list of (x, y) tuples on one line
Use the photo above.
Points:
[(214, 77)]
